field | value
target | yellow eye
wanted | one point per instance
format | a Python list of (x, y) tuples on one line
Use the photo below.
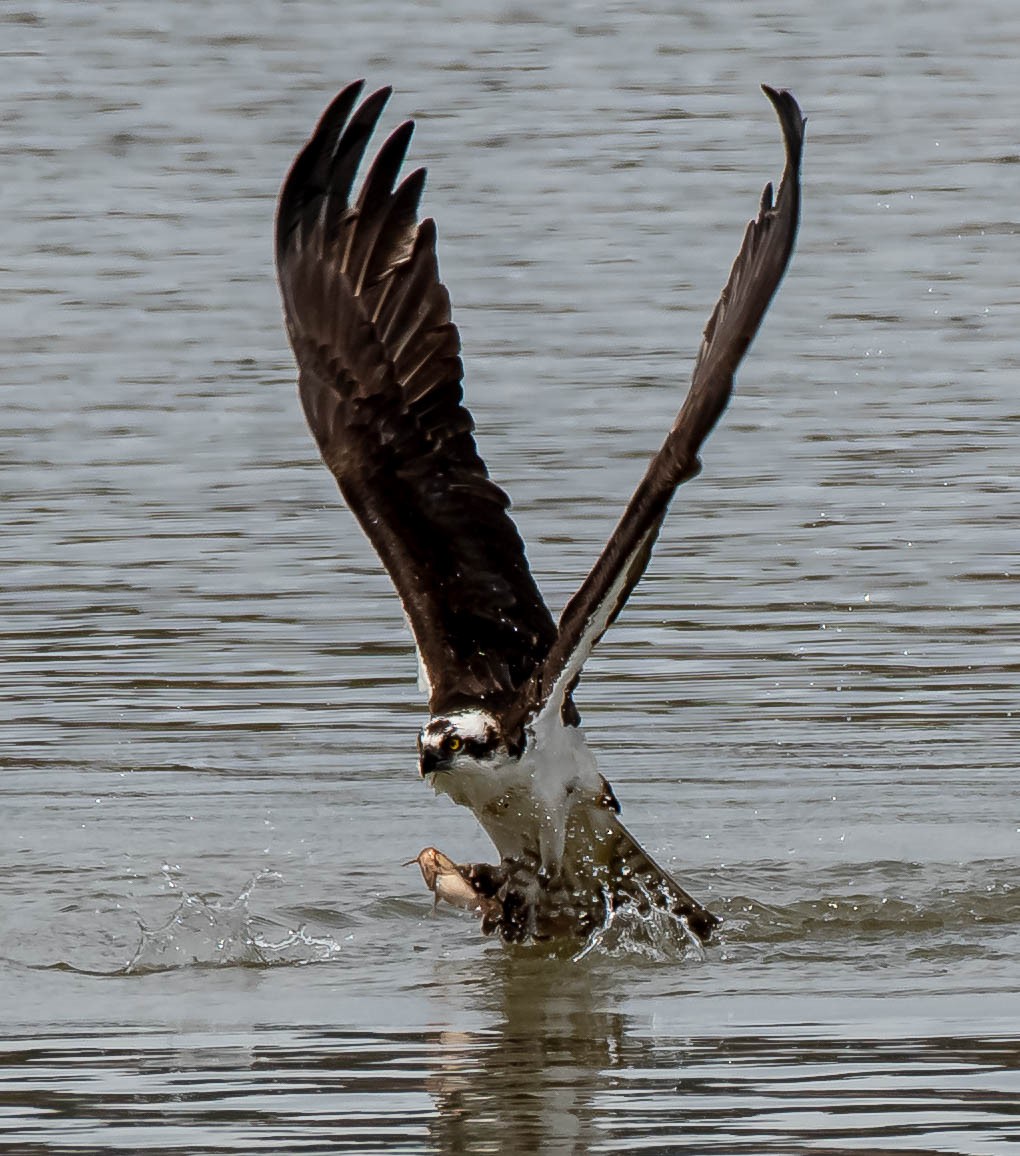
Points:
[(454, 743)]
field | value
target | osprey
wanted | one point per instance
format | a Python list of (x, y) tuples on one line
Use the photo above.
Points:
[(380, 382)]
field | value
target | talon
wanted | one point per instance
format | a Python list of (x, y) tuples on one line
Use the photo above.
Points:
[(485, 878), (451, 882)]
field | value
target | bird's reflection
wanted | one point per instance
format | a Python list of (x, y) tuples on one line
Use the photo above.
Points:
[(530, 1082)]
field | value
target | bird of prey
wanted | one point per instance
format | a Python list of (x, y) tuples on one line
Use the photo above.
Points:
[(380, 375)]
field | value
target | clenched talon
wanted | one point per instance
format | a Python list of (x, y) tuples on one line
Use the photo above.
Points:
[(450, 882), (485, 878)]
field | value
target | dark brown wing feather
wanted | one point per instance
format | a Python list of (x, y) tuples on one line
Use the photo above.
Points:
[(754, 278), (380, 381)]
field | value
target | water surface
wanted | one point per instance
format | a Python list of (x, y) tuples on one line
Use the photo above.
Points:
[(808, 709)]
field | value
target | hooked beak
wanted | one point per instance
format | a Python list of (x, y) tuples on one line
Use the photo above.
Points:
[(428, 761)]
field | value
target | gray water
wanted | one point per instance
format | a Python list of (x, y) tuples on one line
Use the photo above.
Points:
[(808, 710)]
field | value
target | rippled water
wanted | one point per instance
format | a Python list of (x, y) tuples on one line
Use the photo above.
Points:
[(808, 710)]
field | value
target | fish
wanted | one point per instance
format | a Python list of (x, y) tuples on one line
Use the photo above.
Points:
[(448, 881)]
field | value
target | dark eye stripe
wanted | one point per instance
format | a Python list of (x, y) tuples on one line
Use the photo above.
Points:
[(479, 748)]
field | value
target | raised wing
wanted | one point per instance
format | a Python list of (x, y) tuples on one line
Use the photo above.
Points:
[(380, 381), (754, 278)]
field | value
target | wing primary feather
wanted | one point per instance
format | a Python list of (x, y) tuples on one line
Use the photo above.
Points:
[(400, 222), (309, 175), (408, 316), (756, 273), (375, 202), (338, 166)]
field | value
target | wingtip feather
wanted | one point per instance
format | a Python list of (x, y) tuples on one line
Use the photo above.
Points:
[(791, 120)]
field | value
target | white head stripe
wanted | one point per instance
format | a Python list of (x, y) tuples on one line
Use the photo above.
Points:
[(469, 724)]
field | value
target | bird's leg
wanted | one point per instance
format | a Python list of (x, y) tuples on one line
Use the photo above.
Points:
[(519, 899), (488, 881), (529, 901), (485, 878)]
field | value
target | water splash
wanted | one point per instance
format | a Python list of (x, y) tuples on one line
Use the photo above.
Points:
[(641, 929), (206, 933)]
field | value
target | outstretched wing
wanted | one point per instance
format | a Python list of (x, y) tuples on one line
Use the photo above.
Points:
[(754, 278), (380, 381)]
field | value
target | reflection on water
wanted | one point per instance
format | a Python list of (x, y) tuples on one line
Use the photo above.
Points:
[(536, 1075), (562, 1073), (559, 1071)]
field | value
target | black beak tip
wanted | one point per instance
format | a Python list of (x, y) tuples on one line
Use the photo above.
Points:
[(427, 763)]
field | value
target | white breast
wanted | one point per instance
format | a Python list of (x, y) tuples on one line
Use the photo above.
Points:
[(527, 803)]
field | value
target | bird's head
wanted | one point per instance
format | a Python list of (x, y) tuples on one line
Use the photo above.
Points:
[(457, 752), (467, 738)]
